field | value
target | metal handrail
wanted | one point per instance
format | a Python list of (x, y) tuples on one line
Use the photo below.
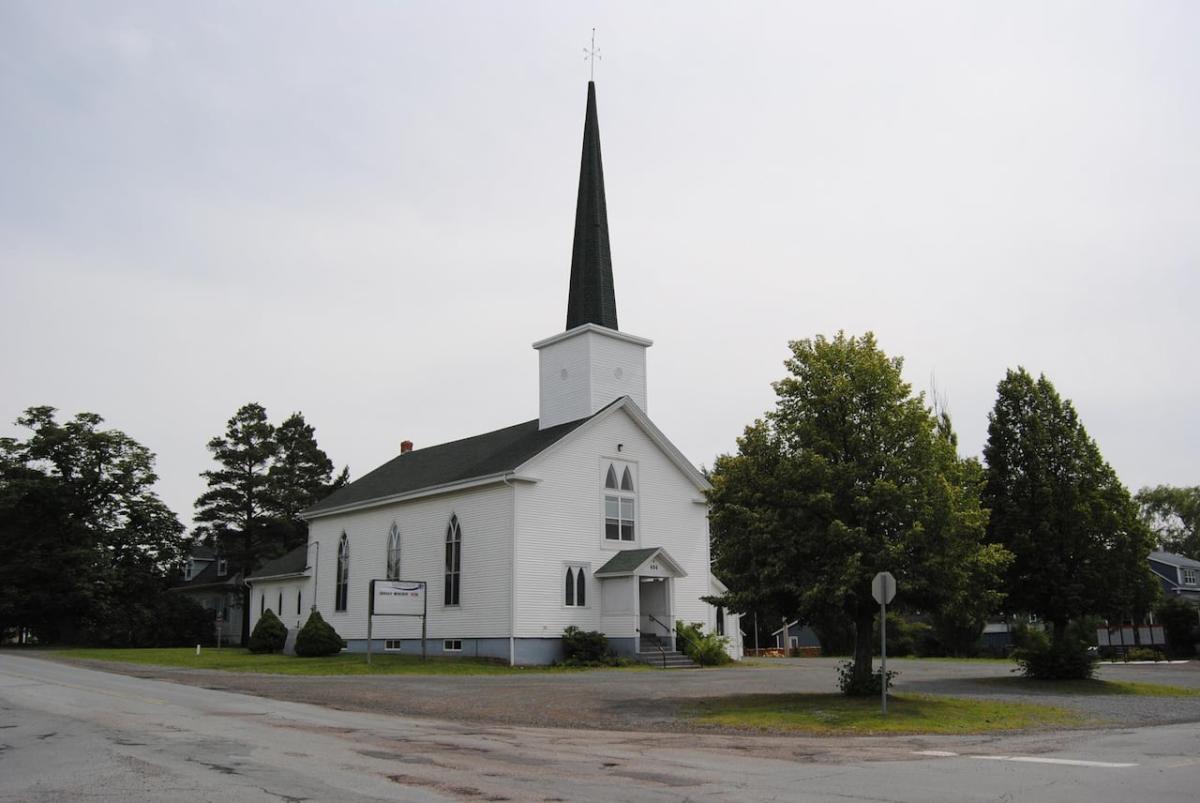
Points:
[(657, 646), (670, 630)]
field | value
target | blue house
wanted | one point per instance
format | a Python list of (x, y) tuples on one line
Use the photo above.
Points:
[(1180, 576)]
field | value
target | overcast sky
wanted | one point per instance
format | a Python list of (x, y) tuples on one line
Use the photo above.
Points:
[(364, 211)]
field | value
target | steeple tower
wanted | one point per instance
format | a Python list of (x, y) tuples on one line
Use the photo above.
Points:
[(591, 364), (592, 298)]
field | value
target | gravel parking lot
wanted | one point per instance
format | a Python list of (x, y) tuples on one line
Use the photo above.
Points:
[(656, 700)]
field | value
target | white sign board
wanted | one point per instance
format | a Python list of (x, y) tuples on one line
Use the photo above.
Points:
[(398, 598), (883, 588)]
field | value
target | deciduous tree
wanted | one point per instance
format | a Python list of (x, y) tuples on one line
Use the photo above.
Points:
[(850, 475), (85, 542), (1079, 547), (1173, 515)]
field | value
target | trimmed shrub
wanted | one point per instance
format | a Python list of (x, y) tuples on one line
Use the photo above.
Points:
[(856, 688), (1144, 654), (704, 649), (269, 634), (586, 648), (1066, 660), (318, 638)]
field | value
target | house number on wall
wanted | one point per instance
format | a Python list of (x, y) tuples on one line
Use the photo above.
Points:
[(653, 567)]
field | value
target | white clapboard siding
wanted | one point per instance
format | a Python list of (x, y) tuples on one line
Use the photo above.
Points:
[(485, 515), (560, 521), (268, 593), (585, 370)]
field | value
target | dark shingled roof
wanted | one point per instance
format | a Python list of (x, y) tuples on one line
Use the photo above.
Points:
[(458, 461), (293, 562), (208, 576), (626, 560), (592, 298), (201, 552)]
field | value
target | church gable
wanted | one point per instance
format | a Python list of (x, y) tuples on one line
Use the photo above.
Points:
[(654, 437)]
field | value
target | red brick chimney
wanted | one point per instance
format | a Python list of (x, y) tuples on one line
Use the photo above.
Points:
[(405, 447)]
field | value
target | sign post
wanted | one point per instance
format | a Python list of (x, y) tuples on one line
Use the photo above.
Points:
[(397, 598), (883, 589)]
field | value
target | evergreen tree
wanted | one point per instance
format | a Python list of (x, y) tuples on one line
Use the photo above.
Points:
[(266, 476), (850, 475), (1079, 547), (236, 511), (299, 477)]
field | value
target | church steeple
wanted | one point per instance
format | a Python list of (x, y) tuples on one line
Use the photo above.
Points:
[(585, 368), (592, 298)]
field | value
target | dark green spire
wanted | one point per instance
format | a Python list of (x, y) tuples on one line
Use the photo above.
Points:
[(592, 299)]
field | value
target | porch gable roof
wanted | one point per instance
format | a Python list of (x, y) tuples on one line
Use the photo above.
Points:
[(629, 561)]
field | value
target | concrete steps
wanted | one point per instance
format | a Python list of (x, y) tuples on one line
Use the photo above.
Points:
[(669, 660)]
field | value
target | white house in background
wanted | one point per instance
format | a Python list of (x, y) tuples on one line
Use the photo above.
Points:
[(586, 515)]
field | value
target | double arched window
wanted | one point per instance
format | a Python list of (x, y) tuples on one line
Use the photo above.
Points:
[(453, 560), (341, 591), (576, 587), (619, 508), (393, 553)]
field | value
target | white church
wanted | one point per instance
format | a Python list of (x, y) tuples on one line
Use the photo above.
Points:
[(585, 516)]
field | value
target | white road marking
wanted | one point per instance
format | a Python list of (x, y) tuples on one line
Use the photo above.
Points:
[(1070, 762)]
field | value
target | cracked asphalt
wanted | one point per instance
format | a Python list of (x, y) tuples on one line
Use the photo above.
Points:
[(72, 733), (658, 700)]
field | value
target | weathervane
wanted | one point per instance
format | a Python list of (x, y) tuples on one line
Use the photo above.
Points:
[(590, 55)]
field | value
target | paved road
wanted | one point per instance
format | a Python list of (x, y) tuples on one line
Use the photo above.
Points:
[(656, 701), (68, 733)]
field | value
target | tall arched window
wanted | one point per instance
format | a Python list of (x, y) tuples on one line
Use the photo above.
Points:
[(342, 581), (619, 504), (453, 560), (393, 553), (575, 586)]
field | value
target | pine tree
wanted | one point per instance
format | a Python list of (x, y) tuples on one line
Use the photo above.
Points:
[(236, 510), (299, 477)]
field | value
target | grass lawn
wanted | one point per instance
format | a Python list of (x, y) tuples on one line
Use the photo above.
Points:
[(1092, 686), (836, 715), (236, 659)]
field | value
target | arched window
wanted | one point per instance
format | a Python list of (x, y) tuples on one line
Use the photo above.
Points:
[(341, 590), (453, 561), (610, 479), (393, 553), (619, 505), (575, 586)]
